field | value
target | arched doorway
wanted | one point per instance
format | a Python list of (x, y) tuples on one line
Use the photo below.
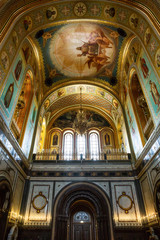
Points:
[(82, 212), (82, 221), (5, 200)]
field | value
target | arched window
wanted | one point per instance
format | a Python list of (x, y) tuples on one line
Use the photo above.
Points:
[(81, 217), (94, 145), (81, 146), (68, 146)]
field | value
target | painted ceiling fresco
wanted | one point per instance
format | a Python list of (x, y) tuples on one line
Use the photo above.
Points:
[(67, 120), (80, 50)]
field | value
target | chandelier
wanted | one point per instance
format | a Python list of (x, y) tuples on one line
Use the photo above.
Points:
[(80, 123)]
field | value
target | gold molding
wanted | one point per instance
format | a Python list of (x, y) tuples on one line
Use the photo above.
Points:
[(43, 206), (126, 209)]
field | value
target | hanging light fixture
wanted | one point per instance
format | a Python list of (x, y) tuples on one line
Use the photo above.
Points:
[(80, 123)]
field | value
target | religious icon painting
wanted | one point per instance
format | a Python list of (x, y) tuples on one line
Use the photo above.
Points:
[(85, 54), (134, 51), (61, 93), (51, 13), (8, 95), (157, 58), (107, 139), (147, 36), (46, 104), (5, 60), (15, 39), (115, 103), (144, 67), (55, 139), (133, 20), (27, 23), (18, 69), (109, 11)]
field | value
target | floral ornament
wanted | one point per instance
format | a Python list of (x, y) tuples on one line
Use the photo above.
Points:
[(80, 9)]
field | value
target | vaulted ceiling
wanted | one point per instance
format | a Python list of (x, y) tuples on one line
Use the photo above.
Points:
[(77, 43)]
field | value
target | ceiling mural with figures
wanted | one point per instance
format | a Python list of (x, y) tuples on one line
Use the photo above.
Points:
[(67, 120), (80, 50), (100, 62)]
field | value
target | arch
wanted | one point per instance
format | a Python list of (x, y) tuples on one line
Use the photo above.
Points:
[(5, 203), (94, 144), (157, 196), (98, 205), (68, 144)]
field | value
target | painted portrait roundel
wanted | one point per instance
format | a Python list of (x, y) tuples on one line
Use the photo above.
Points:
[(82, 49)]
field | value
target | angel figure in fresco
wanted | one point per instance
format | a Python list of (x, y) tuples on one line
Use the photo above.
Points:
[(52, 72), (97, 61), (94, 49), (144, 67), (155, 94), (45, 35)]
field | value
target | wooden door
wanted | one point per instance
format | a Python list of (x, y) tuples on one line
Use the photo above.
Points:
[(82, 231)]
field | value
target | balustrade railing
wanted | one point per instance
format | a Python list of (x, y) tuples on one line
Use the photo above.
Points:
[(109, 154)]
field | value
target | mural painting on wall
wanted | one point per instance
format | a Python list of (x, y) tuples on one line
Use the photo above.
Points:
[(89, 50), (27, 140), (147, 36), (137, 144), (157, 59), (29, 56), (18, 69), (134, 50), (15, 39), (8, 95), (107, 139), (151, 84), (133, 21), (55, 139), (5, 60), (67, 120), (27, 23)]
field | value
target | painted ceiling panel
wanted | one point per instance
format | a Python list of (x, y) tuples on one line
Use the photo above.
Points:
[(93, 120), (80, 50)]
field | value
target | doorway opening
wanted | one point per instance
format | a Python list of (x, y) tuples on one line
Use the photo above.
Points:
[(82, 221), (82, 212)]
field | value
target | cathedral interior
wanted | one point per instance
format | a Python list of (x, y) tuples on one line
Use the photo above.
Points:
[(79, 120)]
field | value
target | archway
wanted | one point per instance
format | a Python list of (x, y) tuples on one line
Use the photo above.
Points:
[(5, 200), (75, 202)]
